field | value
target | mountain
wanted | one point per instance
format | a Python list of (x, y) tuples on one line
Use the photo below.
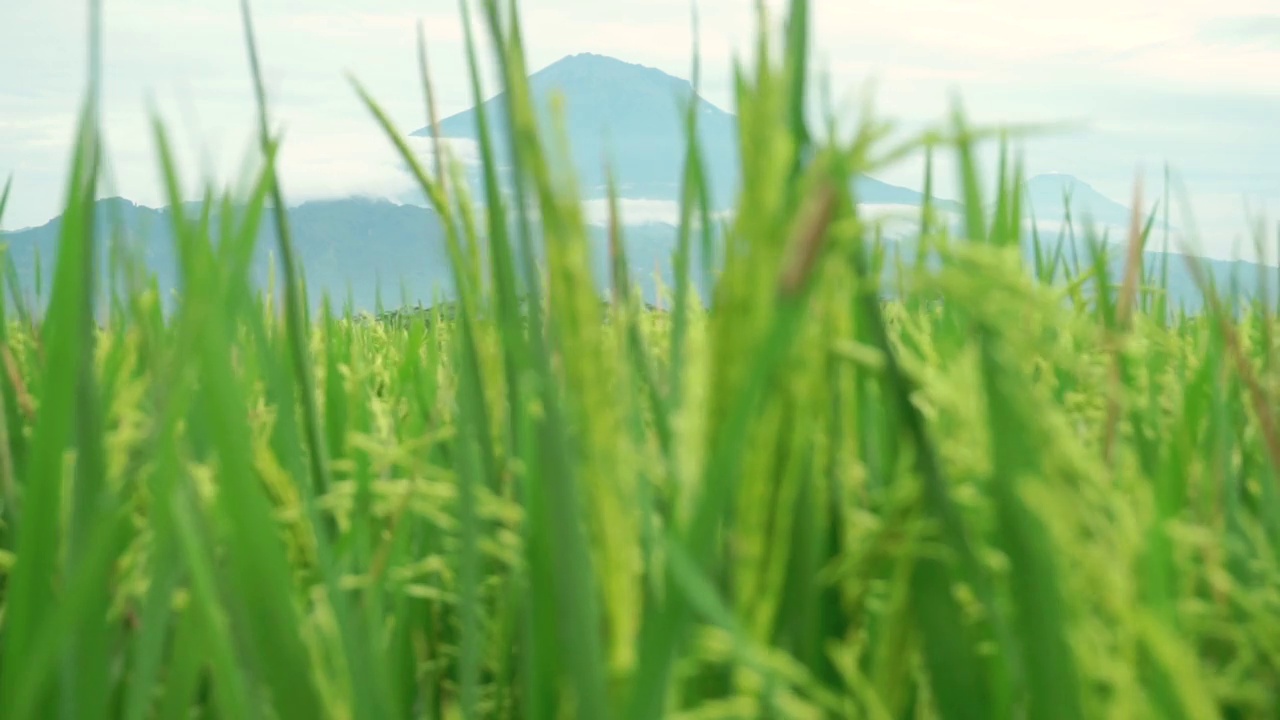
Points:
[(1046, 193), (362, 249), (352, 241), (634, 115), (367, 250)]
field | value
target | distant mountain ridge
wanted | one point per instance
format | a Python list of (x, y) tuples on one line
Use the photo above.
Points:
[(367, 249), (1045, 195), (630, 113), (634, 115), (360, 248)]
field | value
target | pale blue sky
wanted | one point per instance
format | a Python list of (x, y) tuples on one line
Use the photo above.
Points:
[(1193, 83)]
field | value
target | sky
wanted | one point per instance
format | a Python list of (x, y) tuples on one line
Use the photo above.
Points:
[(1190, 83)]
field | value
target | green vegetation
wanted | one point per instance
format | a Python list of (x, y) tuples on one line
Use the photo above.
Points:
[(1014, 491)]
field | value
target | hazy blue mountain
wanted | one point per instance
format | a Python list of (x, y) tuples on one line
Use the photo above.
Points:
[(1045, 193), (355, 247), (630, 113), (361, 248), (1229, 277), (354, 241), (634, 115)]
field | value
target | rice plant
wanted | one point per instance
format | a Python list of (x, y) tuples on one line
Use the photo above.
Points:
[(1014, 490)]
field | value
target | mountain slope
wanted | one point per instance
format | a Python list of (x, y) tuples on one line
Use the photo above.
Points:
[(366, 249), (629, 113), (1045, 195), (634, 115), (350, 243), (356, 248)]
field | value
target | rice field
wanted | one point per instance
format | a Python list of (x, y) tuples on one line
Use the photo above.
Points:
[(1017, 489)]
